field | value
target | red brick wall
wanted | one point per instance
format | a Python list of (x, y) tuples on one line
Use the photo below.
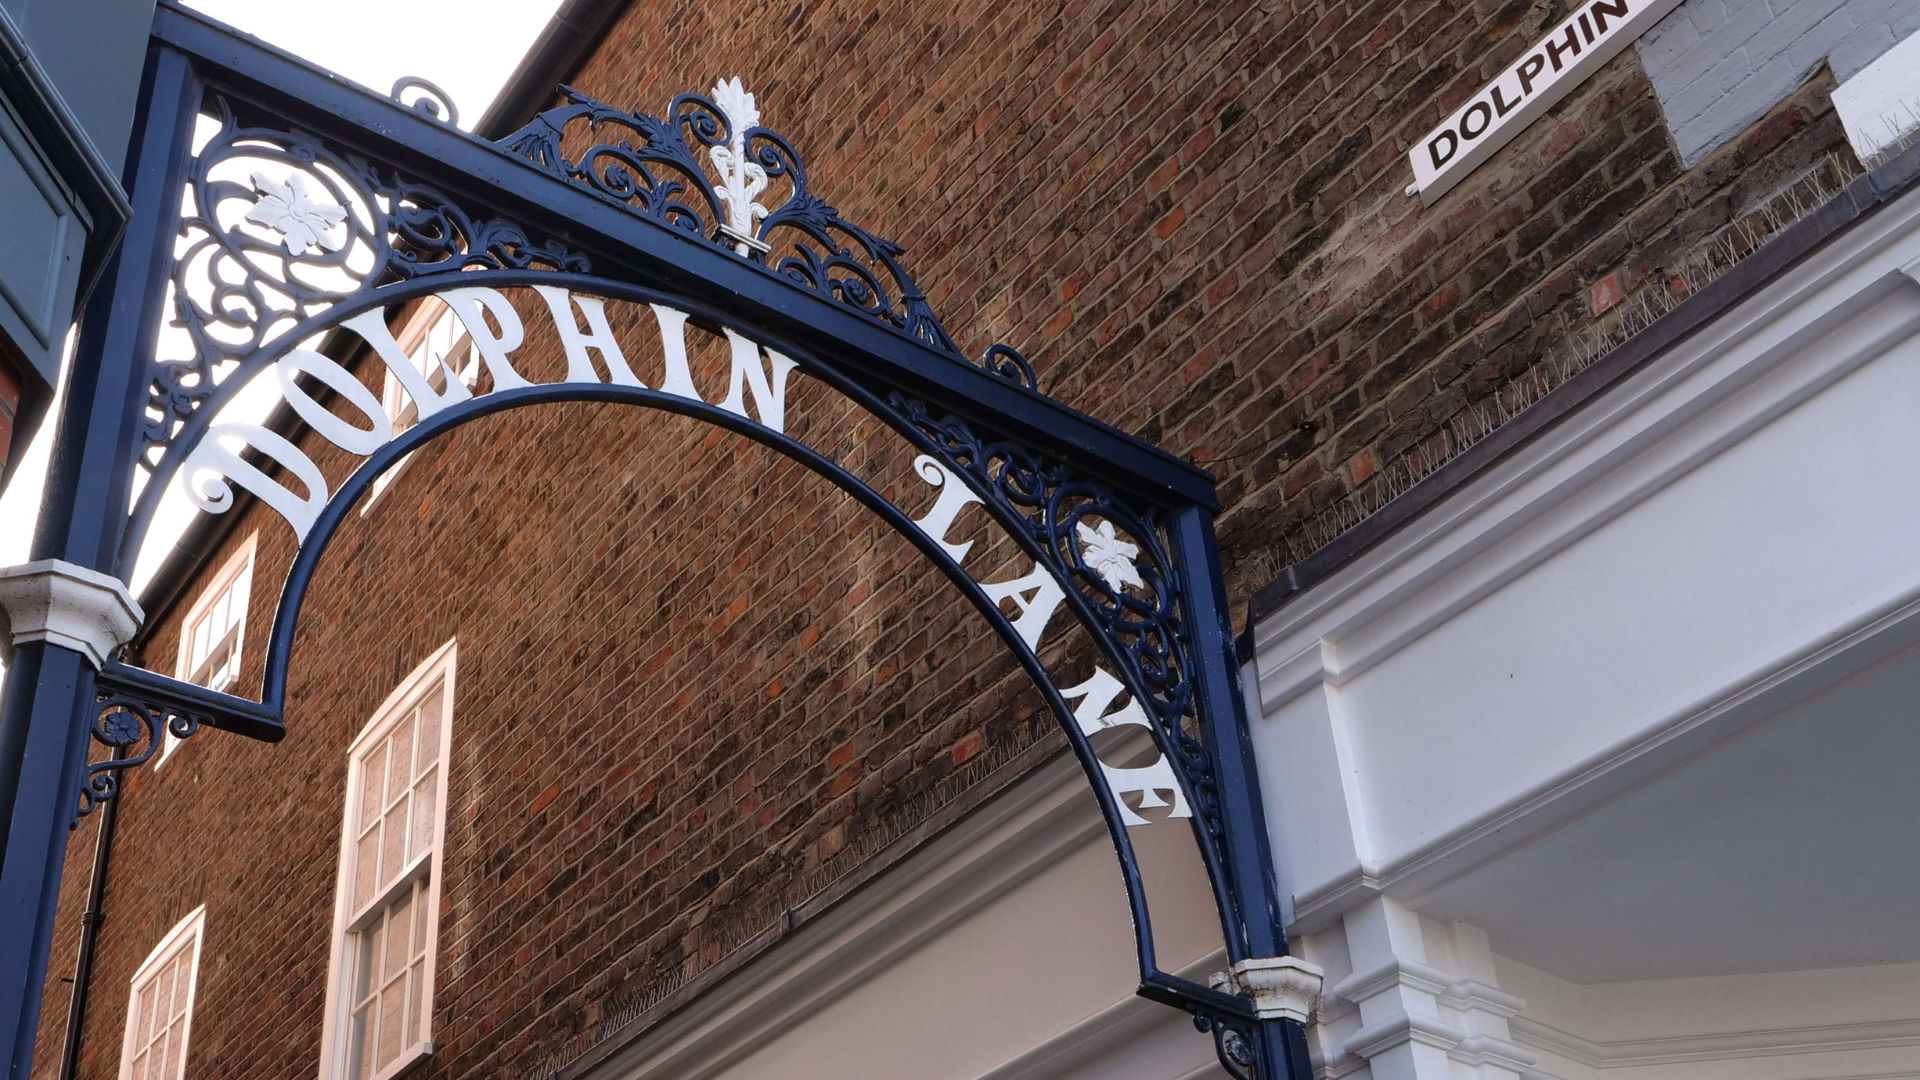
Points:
[(1193, 219), (694, 681), (9, 408)]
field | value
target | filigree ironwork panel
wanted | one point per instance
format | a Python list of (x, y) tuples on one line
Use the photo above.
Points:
[(277, 227), (704, 166), (1116, 557), (133, 728)]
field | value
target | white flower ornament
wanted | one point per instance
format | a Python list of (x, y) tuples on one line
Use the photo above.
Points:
[(287, 209), (1109, 556)]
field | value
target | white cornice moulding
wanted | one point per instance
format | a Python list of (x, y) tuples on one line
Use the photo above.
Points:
[(67, 605), (1704, 395), (1479, 538), (1013, 837), (1720, 1046), (1280, 987)]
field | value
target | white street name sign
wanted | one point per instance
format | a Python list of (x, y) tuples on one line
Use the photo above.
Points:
[(1549, 71)]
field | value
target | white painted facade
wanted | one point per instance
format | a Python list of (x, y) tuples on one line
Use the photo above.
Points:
[(1001, 950), (1608, 766)]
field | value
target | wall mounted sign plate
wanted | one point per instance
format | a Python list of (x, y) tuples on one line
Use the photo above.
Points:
[(1548, 72)]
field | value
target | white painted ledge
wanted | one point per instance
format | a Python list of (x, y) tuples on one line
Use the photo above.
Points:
[(67, 605)]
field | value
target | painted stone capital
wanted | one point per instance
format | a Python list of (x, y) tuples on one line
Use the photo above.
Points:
[(1280, 987), (66, 605)]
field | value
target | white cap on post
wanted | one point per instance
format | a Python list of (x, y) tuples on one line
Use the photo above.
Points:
[(67, 605), (1280, 987)]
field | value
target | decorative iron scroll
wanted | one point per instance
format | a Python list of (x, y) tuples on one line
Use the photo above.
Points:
[(1232, 1042), (126, 720), (654, 168), (431, 100), (1122, 577), (279, 228)]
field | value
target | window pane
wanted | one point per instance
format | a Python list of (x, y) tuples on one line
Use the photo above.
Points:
[(430, 709), (143, 1013), (424, 794), (420, 942), (400, 770), (150, 1019), (242, 589), (392, 1016), (394, 848), (415, 1030), (201, 632), (168, 1067), (366, 867), (369, 951), (357, 1044), (373, 781), (177, 997), (399, 936)]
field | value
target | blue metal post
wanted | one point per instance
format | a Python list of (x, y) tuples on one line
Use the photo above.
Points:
[(48, 705), (1280, 1046)]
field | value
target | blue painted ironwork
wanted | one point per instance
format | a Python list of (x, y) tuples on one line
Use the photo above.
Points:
[(48, 703), (134, 728), (431, 100), (635, 218), (654, 172)]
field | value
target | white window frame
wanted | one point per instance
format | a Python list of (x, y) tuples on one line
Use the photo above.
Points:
[(336, 1026), (177, 939), (415, 339), (240, 562)]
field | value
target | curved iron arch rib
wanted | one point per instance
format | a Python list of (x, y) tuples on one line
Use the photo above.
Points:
[(1141, 638), (1040, 504)]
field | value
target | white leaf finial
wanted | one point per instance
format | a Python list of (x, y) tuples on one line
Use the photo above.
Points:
[(740, 177)]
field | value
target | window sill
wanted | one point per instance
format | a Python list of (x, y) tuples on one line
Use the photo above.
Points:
[(408, 1058)]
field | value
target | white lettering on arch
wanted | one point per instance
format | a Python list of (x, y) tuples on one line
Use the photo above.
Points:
[(353, 440), (1037, 595), (769, 392), (1096, 697), (211, 465), (373, 329), (673, 347), (955, 496), (496, 330), (493, 348), (599, 336)]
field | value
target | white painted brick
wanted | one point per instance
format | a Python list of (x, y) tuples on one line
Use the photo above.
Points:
[(1815, 45), (1860, 48), (1684, 107), (1718, 65), (1733, 112), (1732, 71), (1790, 25), (1708, 15)]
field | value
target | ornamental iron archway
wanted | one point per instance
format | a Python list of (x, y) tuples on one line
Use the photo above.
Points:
[(313, 207)]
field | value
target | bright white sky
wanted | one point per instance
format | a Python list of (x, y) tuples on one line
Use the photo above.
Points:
[(466, 47)]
